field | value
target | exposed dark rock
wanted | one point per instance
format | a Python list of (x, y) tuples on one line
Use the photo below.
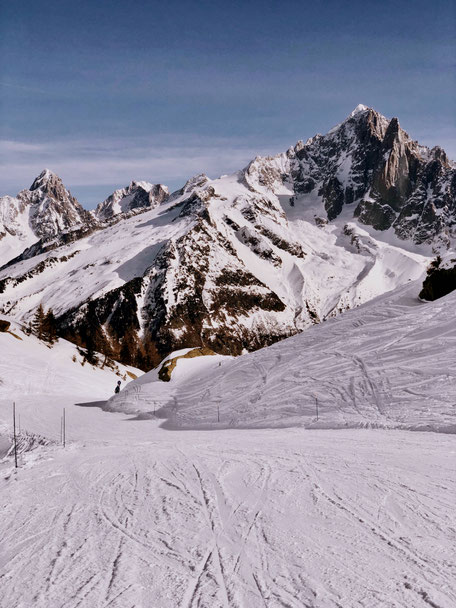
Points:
[(293, 248), (4, 325), (258, 245), (439, 282), (334, 197), (373, 213)]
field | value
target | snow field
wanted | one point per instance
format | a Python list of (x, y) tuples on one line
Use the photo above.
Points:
[(131, 514), (282, 517)]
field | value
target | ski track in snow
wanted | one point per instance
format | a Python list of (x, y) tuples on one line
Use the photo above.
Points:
[(387, 364), (131, 515), (286, 517)]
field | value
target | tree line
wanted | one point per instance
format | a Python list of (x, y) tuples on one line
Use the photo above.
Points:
[(44, 325), (130, 349), (93, 340)]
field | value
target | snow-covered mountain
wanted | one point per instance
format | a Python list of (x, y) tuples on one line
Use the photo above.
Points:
[(369, 167), (137, 196), (46, 209), (245, 260)]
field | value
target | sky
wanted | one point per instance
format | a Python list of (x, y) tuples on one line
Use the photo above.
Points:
[(105, 92)]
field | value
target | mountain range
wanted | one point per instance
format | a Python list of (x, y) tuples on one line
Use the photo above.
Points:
[(239, 262)]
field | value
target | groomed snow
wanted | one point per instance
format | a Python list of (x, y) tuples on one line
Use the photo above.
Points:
[(387, 364), (267, 518), (131, 514)]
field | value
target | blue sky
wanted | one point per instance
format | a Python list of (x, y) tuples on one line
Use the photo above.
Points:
[(105, 92)]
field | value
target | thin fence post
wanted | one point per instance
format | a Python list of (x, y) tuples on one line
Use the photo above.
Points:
[(14, 433)]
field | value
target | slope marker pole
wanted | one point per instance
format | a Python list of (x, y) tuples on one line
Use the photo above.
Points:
[(316, 405), (14, 433), (64, 427)]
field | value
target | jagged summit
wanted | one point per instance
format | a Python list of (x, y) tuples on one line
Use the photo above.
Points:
[(138, 196), (45, 209), (359, 108), (368, 164), (46, 179)]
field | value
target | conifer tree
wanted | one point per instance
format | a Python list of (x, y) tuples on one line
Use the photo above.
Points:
[(38, 322), (50, 327), (90, 349), (149, 355), (129, 348), (92, 337)]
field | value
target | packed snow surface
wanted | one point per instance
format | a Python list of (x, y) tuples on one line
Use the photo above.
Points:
[(132, 514), (390, 363), (282, 517)]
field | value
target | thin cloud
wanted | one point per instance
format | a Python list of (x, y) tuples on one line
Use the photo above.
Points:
[(22, 87), (167, 159)]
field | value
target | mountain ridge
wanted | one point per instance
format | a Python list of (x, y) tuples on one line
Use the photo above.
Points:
[(247, 259)]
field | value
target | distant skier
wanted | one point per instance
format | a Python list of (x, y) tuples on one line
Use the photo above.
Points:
[(117, 389)]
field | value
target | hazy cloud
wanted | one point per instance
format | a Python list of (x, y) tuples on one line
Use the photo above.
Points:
[(113, 162)]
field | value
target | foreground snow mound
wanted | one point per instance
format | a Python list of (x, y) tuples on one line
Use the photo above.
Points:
[(387, 364), (182, 365)]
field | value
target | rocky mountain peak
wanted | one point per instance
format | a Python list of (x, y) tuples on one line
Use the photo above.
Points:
[(48, 184), (393, 133), (197, 181), (359, 109), (53, 208), (136, 197), (43, 211), (44, 178), (440, 155), (368, 160)]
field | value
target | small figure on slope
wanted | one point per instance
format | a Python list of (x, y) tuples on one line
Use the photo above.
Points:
[(117, 389)]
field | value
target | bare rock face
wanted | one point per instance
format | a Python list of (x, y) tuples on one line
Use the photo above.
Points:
[(52, 208), (369, 162)]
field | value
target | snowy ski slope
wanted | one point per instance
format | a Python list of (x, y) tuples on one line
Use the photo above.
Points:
[(132, 514), (283, 517), (390, 363)]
